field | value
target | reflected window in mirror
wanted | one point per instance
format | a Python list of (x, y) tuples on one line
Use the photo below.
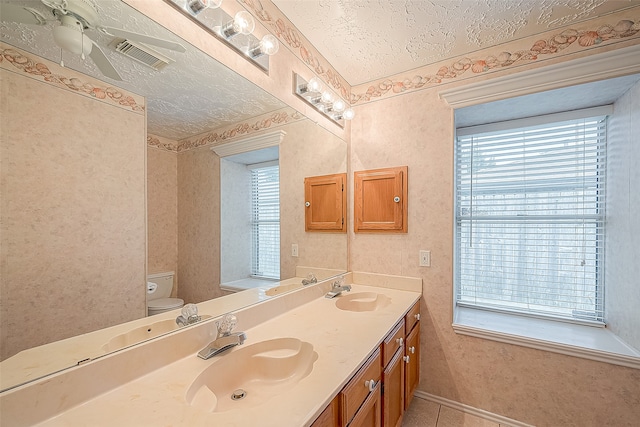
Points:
[(250, 218), (265, 221)]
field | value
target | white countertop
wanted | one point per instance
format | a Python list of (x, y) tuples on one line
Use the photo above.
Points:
[(342, 340)]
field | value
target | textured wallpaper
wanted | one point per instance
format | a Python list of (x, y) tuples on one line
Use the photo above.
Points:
[(73, 211)]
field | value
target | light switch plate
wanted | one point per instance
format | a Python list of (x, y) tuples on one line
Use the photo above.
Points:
[(294, 249), (425, 258)]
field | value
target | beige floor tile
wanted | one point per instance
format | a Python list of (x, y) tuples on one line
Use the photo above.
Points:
[(453, 418), (421, 413)]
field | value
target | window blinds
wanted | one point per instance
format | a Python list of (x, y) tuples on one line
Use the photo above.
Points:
[(265, 222), (530, 219)]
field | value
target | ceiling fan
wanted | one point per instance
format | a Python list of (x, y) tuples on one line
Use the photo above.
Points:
[(76, 17)]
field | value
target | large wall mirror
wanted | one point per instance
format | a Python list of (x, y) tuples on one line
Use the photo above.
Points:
[(95, 196)]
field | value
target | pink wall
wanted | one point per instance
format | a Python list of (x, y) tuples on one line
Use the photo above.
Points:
[(73, 206), (531, 386)]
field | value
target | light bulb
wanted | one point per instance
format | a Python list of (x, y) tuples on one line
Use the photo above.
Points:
[(348, 114), (197, 6), (339, 106), (314, 85), (327, 97), (267, 46), (242, 23)]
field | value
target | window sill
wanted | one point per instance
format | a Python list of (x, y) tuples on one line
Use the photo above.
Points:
[(244, 284), (587, 342)]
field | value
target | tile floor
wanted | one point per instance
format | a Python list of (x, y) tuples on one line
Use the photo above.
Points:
[(424, 413)]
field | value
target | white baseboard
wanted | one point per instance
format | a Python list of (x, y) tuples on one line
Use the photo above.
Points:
[(470, 410)]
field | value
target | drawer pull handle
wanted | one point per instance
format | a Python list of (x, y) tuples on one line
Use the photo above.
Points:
[(396, 199), (399, 341), (406, 359), (371, 385), (417, 316), (307, 204), (412, 349)]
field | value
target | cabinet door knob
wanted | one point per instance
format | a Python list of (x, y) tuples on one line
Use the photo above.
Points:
[(417, 316), (412, 349), (399, 341), (370, 384), (396, 199), (406, 359), (307, 204)]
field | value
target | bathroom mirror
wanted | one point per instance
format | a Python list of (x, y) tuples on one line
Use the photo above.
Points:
[(90, 164)]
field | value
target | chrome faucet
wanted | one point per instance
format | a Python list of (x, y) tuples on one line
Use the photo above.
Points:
[(225, 339), (311, 278), (189, 315), (337, 288)]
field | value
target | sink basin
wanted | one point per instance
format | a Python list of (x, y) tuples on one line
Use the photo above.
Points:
[(143, 333), (251, 375), (280, 289), (362, 301)]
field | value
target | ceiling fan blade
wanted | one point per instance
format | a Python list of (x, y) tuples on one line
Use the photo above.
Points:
[(143, 38), (23, 15), (103, 63)]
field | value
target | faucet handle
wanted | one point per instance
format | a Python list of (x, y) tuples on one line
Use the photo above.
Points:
[(226, 325)]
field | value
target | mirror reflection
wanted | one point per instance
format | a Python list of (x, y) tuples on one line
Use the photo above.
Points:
[(89, 210)]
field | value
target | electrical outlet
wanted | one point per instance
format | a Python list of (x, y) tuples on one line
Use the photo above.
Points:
[(294, 249), (425, 258)]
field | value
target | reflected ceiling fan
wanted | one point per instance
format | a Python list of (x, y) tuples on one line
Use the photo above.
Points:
[(76, 17)]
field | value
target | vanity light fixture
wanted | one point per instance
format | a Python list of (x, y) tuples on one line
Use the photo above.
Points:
[(267, 46), (234, 31), (242, 23), (197, 6), (314, 93)]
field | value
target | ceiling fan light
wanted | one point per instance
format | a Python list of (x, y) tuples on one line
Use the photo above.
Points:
[(72, 40)]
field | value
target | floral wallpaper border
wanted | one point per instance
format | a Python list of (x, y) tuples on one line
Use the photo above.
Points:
[(282, 28), (219, 136), (13, 59), (551, 44)]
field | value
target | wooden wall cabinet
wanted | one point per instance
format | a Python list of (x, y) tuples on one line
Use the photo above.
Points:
[(380, 200), (325, 203)]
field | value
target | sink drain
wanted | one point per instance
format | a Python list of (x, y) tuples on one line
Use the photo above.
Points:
[(238, 394)]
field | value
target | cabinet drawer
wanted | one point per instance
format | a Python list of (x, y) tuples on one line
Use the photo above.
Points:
[(357, 390), (411, 318), (392, 343)]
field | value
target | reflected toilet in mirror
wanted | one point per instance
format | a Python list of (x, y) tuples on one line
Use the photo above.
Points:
[(159, 287)]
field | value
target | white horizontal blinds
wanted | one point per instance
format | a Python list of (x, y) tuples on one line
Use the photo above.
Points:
[(265, 222), (530, 219)]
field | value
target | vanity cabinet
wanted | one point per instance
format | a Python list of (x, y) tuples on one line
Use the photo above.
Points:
[(380, 392), (411, 353), (380, 200), (325, 203)]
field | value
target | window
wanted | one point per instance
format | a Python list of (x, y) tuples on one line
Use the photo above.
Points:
[(530, 217), (265, 222)]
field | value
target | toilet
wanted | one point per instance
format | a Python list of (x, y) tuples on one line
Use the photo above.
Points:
[(159, 287)]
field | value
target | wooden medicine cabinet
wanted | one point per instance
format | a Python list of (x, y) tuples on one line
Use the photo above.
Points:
[(325, 203), (380, 200)]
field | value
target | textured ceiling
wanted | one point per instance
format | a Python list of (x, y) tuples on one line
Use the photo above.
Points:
[(366, 40), (193, 95)]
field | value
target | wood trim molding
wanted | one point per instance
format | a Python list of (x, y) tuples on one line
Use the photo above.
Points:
[(615, 63), (243, 145)]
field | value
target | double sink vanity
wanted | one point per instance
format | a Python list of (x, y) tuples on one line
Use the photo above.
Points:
[(307, 360)]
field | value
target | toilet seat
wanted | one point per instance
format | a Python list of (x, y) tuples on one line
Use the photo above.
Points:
[(165, 303)]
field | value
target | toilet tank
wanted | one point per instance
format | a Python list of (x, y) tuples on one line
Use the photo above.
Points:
[(165, 285)]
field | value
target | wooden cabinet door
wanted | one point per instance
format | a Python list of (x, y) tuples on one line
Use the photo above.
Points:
[(325, 203), (369, 413), (380, 200), (330, 417), (393, 391), (412, 364)]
